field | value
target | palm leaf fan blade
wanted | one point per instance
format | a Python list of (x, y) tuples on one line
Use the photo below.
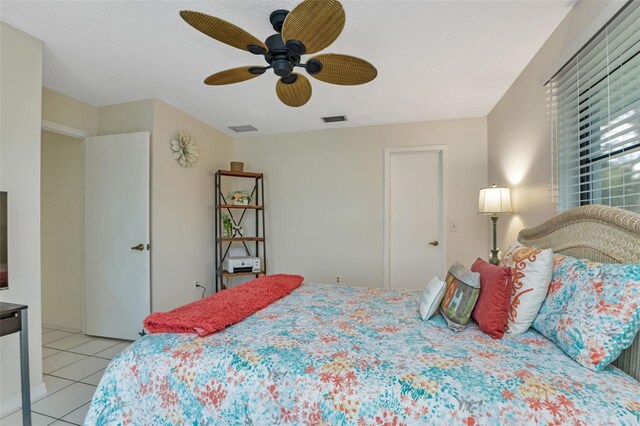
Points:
[(221, 30), (315, 23), (230, 76), (344, 69), (294, 94)]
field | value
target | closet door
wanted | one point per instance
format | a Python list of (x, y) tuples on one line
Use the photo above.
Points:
[(117, 280), (415, 246)]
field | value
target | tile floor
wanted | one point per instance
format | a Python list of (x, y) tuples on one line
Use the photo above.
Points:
[(72, 364)]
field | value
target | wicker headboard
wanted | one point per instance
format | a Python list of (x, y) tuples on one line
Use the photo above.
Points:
[(598, 233)]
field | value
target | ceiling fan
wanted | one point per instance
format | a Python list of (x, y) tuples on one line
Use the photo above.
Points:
[(310, 27)]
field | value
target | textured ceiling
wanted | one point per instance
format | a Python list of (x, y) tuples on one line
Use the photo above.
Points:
[(435, 59)]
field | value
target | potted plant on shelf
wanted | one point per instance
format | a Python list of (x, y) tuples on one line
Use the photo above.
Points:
[(227, 226), (240, 198)]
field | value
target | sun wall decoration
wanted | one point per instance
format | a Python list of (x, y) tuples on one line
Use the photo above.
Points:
[(185, 150)]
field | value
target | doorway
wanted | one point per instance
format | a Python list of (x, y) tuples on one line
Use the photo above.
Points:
[(62, 230), (415, 210), (95, 232)]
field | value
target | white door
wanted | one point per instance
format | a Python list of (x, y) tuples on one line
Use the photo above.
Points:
[(117, 284), (414, 243)]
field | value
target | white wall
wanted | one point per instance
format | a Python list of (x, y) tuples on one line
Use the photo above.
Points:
[(62, 219), (20, 102), (325, 199), (518, 126)]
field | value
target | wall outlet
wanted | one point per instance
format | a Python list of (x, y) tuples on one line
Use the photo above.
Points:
[(338, 279), (454, 226), (195, 284)]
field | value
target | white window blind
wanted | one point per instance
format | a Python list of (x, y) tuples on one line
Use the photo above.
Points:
[(595, 119)]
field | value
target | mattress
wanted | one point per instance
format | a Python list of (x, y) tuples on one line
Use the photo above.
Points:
[(356, 356)]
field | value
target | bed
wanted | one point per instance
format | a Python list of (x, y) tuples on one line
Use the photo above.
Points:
[(343, 355)]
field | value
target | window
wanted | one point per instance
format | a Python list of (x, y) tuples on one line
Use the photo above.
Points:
[(595, 119)]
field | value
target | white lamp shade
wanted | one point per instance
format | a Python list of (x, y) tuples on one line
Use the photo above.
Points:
[(494, 200)]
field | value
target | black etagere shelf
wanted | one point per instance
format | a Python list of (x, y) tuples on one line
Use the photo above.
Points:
[(253, 245)]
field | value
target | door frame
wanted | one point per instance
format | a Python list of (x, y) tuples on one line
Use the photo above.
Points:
[(388, 152)]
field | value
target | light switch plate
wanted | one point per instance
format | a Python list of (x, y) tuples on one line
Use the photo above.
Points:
[(454, 226)]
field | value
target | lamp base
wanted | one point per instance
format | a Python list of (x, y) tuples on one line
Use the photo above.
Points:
[(494, 257), (494, 252)]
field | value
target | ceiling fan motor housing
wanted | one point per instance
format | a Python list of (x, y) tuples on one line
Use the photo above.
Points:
[(281, 58), (282, 67)]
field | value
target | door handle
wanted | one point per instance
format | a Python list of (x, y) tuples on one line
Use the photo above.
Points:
[(434, 243), (139, 247)]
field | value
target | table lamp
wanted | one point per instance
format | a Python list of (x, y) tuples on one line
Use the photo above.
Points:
[(494, 201)]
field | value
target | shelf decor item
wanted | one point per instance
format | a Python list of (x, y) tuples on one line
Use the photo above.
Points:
[(237, 166), (185, 150), (227, 226), (240, 198), (494, 201)]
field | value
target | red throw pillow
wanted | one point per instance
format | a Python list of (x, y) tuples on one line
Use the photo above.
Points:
[(492, 307)]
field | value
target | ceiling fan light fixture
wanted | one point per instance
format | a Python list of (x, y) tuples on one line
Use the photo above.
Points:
[(308, 28), (243, 128)]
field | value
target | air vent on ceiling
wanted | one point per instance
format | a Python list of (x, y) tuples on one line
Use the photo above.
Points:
[(244, 128), (334, 119)]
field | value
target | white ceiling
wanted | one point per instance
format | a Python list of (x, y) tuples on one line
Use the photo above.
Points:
[(435, 59)]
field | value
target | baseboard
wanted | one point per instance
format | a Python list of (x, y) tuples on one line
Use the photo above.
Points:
[(69, 326), (13, 403)]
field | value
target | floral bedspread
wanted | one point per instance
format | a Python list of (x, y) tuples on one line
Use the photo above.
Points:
[(340, 355)]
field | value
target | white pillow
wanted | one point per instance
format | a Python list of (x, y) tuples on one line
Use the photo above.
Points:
[(531, 269), (431, 297)]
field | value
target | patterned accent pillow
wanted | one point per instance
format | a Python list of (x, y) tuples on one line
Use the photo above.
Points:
[(592, 311), (463, 288), (531, 270), (431, 297)]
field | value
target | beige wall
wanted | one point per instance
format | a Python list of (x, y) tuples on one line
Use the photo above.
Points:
[(325, 198), (518, 126), (128, 117), (62, 216), (20, 103), (182, 207), (181, 198), (62, 219), (181, 201), (70, 112)]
